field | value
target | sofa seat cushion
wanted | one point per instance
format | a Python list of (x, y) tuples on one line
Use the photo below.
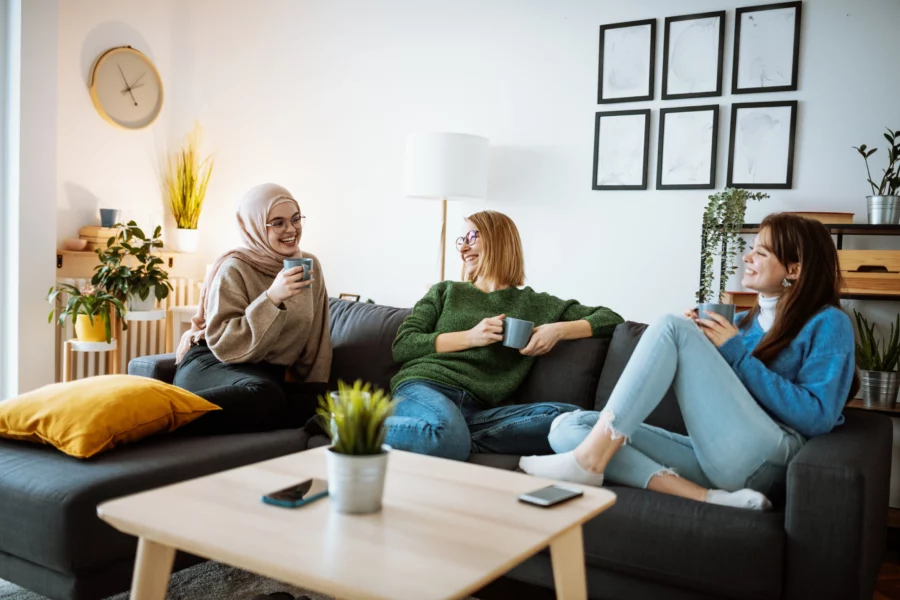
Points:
[(48, 501), (681, 542)]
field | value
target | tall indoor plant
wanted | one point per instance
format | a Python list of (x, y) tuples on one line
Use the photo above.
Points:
[(185, 178), (883, 206), (721, 237), (877, 362), (89, 308), (144, 281), (357, 459)]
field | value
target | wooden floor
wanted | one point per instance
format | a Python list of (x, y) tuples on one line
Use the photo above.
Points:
[(888, 585)]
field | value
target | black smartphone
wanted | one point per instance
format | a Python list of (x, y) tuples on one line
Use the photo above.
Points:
[(550, 495), (299, 494)]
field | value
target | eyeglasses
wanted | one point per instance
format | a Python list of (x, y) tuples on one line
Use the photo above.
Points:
[(279, 225), (467, 239)]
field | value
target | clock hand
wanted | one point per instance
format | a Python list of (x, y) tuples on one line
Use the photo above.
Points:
[(138, 79), (128, 87)]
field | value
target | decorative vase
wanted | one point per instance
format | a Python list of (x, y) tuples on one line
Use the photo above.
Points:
[(879, 389), (86, 332), (356, 483), (883, 210), (135, 303), (110, 216), (185, 240)]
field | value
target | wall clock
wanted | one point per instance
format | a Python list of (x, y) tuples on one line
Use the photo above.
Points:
[(126, 88)]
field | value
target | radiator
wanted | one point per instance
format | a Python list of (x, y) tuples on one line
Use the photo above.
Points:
[(142, 338)]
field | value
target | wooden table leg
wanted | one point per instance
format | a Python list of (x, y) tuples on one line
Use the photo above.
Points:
[(152, 568), (567, 558), (67, 361)]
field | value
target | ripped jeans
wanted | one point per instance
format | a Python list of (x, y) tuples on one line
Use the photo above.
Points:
[(732, 443)]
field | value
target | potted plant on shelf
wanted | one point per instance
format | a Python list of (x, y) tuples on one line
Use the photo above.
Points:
[(89, 308), (357, 458), (721, 237), (884, 203), (877, 362), (142, 283), (185, 177)]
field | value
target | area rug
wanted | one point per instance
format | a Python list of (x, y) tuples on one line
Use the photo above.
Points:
[(206, 581)]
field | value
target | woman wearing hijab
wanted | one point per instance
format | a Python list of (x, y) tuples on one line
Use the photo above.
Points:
[(259, 325)]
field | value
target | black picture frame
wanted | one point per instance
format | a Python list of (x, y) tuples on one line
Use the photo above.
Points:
[(791, 142), (795, 59), (711, 183), (646, 153), (719, 62), (652, 67)]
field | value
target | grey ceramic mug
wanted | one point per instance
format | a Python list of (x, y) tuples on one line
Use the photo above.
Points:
[(516, 332), (726, 310), (306, 263), (110, 216)]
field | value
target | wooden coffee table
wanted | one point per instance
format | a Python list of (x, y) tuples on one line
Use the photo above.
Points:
[(447, 529)]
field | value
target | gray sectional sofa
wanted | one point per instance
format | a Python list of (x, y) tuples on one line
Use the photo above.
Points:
[(824, 540)]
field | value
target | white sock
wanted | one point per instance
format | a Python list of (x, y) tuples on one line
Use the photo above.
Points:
[(740, 499), (559, 466)]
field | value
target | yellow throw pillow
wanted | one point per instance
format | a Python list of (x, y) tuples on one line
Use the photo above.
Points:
[(85, 417)]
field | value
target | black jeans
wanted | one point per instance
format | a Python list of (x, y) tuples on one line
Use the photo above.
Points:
[(253, 396)]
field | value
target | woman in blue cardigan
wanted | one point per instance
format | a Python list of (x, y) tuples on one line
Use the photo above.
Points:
[(751, 393)]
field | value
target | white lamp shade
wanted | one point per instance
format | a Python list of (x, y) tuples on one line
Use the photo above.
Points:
[(446, 166)]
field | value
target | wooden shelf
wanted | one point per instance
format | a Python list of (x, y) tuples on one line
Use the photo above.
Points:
[(890, 411), (842, 229)]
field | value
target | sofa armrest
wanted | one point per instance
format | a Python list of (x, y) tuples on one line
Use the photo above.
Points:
[(157, 366), (836, 511)]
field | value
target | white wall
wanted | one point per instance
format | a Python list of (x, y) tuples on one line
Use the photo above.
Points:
[(319, 95)]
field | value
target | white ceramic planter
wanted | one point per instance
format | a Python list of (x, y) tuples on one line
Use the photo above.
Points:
[(185, 240)]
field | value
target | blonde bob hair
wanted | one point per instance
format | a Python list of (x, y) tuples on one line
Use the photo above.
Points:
[(502, 260)]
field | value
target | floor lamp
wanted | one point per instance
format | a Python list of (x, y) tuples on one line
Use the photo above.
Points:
[(445, 166)]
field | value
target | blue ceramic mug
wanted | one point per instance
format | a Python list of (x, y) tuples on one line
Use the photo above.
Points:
[(516, 332), (306, 263)]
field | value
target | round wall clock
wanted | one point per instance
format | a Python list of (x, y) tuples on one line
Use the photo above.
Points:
[(126, 88)]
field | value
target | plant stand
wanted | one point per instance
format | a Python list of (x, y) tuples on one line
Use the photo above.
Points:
[(72, 346)]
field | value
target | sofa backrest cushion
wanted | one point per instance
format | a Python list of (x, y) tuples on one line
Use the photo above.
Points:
[(625, 339), (362, 335), (569, 373)]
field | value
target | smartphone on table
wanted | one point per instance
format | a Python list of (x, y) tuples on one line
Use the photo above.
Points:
[(299, 494), (551, 495)]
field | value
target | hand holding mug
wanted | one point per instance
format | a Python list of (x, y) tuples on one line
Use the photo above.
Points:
[(287, 284), (488, 331)]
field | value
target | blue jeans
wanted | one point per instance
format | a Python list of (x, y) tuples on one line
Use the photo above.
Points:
[(448, 422), (732, 442)]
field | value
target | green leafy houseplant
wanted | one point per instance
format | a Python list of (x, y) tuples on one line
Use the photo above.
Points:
[(90, 301), (720, 237), (185, 177), (119, 279), (872, 355), (890, 180), (355, 418)]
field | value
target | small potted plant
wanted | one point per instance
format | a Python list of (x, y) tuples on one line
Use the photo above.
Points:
[(357, 458), (877, 362), (721, 237), (884, 203), (185, 177), (142, 284), (89, 308)]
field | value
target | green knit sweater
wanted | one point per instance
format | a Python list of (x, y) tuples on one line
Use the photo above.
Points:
[(489, 373)]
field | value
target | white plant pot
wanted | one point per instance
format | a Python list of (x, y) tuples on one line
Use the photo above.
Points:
[(356, 483), (137, 305), (185, 240)]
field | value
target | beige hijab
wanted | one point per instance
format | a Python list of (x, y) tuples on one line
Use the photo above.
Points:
[(252, 214)]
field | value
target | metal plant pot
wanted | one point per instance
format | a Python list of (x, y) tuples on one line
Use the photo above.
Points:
[(356, 483), (883, 210), (879, 388)]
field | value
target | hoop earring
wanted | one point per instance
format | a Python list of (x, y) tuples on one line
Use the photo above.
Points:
[(786, 283)]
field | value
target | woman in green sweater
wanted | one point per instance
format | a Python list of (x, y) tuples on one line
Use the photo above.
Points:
[(455, 376)]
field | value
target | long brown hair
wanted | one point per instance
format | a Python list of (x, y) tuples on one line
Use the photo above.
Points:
[(795, 239), (502, 259)]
